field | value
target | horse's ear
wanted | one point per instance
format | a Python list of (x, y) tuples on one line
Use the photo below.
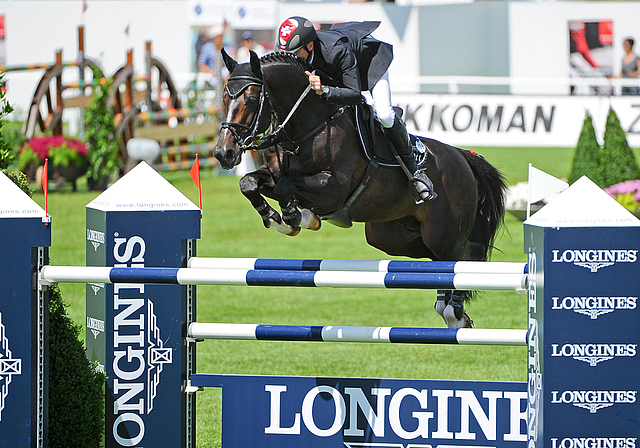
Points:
[(229, 62), (254, 60)]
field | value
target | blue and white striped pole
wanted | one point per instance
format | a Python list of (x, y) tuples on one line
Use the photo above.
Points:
[(403, 335), (299, 264), (193, 276)]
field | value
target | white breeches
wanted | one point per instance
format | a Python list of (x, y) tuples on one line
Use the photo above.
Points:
[(381, 94)]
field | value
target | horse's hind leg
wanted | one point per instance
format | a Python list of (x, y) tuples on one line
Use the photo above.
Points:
[(450, 306), (450, 303)]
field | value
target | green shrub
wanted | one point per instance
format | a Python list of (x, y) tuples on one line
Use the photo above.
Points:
[(20, 179), (76, 404), (100, 135), (6, 155), (619, 163), (13, 136), (587, 159)]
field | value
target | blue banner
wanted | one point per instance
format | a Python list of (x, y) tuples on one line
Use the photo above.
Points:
[(274, 411)]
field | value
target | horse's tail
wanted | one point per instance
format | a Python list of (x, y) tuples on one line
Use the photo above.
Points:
[(492, 189)]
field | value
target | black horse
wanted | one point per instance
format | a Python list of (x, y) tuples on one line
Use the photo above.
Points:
[(314, 162)]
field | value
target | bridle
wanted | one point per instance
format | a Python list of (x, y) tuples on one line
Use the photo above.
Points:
[(260, 139), (254, 134)]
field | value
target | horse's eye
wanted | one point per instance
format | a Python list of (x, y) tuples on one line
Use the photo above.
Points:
[(251, 100)]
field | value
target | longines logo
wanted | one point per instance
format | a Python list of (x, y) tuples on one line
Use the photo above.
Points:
[(593, 354), (95, 325), (96, 287), (594, 259), (594, 442), (139, 354), (9, 366), (594, 306), (593, 400), (96, 238)]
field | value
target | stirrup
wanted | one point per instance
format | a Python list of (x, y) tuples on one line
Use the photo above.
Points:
[(421, 196)]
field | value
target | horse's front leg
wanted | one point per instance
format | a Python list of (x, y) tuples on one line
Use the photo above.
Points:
[(297, 219), (260, 182), (252, 186)]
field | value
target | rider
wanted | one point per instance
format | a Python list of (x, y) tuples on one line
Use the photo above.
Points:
[(348, 54)]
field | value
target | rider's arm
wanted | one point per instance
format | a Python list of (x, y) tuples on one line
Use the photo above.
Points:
[(349, 92)]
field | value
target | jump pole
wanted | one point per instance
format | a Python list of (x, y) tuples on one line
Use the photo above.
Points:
[(299, 264), (338, 333), (243, 277)]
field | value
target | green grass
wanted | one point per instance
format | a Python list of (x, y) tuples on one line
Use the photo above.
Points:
[(231, 228)]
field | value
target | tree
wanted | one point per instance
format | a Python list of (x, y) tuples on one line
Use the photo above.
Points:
[(587, 159), (618, 163)]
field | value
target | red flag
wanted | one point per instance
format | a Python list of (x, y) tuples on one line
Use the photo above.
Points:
[(45, 185), (84, 6), (195, 175)]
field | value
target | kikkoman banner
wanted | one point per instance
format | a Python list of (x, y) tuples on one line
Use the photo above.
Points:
[(512, 120)]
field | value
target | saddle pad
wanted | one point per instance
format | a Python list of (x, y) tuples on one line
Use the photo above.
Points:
[(374, 142)]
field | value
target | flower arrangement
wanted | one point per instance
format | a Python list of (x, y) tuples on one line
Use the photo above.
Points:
[(627, 194), (60, 150)]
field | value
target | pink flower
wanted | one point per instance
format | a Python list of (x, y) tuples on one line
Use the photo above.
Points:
[(42, 145), (628, 187)]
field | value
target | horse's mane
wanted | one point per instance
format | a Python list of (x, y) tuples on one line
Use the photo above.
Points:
[(286, 58)]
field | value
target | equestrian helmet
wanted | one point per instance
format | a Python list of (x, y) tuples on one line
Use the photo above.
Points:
[(295, 33)]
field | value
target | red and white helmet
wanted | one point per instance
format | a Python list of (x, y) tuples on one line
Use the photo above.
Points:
[(295, 33)]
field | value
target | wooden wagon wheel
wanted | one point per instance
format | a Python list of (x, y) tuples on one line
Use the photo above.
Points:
[(47, 104), (46, 107), (121, 102), (124, 100), (160, 79)]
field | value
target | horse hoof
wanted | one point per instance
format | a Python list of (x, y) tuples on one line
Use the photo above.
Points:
[(285, 229), (468, 323), (449, 316), (309, 220)]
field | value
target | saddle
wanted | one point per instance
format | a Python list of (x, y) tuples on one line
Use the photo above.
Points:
[(373, 140), (377, 149)]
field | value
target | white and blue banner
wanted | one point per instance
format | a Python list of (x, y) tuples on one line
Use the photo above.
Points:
[(275, 411), (583, 308), (135, 331)]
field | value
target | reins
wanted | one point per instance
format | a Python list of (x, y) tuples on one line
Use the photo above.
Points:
[(256, 140)]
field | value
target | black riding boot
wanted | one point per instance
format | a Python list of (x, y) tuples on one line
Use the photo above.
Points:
[(400, 141)]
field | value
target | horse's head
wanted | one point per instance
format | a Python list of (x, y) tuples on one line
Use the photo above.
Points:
[(271, 90), (246, 112)]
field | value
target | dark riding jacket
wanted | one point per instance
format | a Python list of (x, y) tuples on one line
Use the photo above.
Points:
[(352, 58)]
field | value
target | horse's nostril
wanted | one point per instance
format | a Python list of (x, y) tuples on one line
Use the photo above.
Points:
[(229, 154)]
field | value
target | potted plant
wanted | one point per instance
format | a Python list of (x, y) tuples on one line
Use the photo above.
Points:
[(67, 158)]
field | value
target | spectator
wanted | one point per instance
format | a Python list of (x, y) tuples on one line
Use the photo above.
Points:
[(630, 66), (208, 61), (248, 43)]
